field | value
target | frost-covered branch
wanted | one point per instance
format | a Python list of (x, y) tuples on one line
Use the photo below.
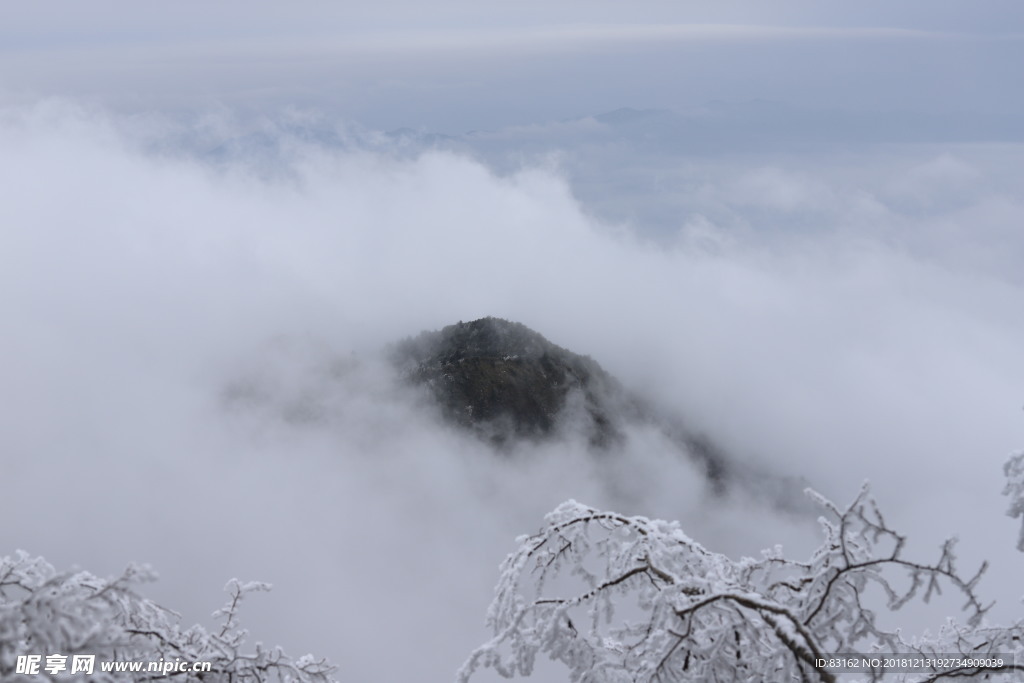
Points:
[(44, 612), (617, 598), (1014, 471)]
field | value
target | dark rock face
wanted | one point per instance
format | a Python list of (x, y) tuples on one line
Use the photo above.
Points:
[(505, 381)]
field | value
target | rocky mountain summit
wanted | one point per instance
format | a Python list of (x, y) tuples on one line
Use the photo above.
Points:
[(500, 381), (506, 382)]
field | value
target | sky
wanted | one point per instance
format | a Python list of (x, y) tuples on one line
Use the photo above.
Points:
[(796, 226), (455, 66)]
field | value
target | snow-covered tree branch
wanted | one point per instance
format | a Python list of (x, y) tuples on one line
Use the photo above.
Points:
[(616, 598), (43, 611), (1014, 471)]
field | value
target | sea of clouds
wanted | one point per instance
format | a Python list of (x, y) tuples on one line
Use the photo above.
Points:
[(191, 369)]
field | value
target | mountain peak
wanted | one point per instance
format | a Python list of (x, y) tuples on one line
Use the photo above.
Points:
[(486, 338), (504, 380)]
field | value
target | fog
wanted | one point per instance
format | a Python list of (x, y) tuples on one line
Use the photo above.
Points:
[(192, 373)]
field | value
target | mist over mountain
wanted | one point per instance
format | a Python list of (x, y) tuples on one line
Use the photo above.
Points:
[(518, 397), (749, 247), (194, 368), (504, 381)]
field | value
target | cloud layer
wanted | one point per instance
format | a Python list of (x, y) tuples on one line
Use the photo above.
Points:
[(191, 379)]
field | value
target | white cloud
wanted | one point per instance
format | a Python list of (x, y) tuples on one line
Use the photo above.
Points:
[(775, 188), (141, 287)]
